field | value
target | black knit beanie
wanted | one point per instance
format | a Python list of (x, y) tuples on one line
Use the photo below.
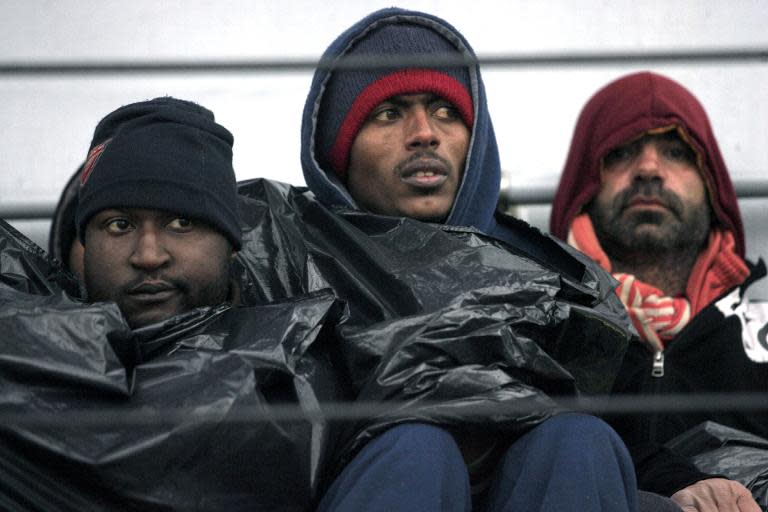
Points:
[(350, 95), (165, 154)]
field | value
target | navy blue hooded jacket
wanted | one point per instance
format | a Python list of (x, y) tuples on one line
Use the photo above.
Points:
[(476, 199)]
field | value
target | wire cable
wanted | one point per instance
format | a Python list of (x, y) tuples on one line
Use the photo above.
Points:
[(367, 62), (361, 411)]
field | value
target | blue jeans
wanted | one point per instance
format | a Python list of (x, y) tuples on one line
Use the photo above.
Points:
[(569, 462)]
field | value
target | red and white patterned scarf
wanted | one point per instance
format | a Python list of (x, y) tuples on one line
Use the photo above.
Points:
[(659, 318)]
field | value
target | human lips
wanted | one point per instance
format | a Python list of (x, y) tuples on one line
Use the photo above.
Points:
[(425, 173), (646, 202), (152, 291)]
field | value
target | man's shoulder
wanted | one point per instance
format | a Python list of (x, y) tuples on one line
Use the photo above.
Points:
[(542, 246), (257, 187), (27, 267)]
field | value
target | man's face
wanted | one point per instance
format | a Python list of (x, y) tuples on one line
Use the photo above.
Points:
[(652, 197), (408, 158), (154, 264)]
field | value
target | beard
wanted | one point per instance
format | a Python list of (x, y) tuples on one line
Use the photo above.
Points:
[(645, 234), (191, 291)]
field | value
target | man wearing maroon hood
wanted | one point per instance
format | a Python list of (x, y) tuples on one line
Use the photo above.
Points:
[(646, 193)]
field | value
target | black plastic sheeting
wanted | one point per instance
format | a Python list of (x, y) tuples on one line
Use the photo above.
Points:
[(720, 450), (58, 355), (438, 313), (336, 306)]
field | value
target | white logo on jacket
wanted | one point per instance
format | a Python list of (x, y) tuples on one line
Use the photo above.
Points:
[(754, 323)]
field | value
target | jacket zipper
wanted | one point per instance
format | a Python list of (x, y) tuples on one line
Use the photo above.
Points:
[(658, 364), (657, 372)]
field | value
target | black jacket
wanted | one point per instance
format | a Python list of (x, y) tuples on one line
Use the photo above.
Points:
[(723, 349)]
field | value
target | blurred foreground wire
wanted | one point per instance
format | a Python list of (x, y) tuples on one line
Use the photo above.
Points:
[(363, 62), (356, 411)]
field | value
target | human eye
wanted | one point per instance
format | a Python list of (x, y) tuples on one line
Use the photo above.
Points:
[(386, 113), (619, 155), (680, 151), (117, 225), (180, 224), (446, 111)]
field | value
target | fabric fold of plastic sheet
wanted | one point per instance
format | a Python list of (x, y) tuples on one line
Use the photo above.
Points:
[(720, 450), (437, 314), (94, 416)]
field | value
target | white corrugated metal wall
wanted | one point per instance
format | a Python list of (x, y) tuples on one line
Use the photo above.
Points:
[(48, 119)]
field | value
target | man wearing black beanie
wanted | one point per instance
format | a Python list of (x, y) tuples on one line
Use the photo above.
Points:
[(157, 210)]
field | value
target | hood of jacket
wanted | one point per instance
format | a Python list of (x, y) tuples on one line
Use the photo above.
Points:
[(63, 228), (624, 110), (476, 198)]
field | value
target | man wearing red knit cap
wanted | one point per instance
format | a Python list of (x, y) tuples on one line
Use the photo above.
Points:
[(398, 138), (646, 193), (396, 124)]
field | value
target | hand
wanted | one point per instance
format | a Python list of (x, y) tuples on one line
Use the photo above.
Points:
[(715, 495)]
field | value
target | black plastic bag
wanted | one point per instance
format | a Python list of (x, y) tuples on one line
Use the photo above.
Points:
[(438, 313), (719, 450), (94, 416)]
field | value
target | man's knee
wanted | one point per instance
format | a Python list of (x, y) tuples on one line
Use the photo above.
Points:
[(580, 428), (420, 438), (578, 439), (414, 466)]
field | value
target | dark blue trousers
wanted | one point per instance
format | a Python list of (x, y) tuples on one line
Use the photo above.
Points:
[(570, 462)]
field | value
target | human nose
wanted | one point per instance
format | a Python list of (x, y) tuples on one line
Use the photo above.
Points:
[(421, 132), (648, 163), (149, 253)]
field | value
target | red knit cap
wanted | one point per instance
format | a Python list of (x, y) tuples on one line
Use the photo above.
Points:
[(406, 81), (351, 94)]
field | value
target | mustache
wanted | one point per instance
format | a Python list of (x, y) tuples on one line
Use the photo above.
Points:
[(651, 189), (422, 155)]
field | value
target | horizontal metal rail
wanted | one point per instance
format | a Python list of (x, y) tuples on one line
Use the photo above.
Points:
[(514, 195), (80, 68), (529, 195), (27, 211)]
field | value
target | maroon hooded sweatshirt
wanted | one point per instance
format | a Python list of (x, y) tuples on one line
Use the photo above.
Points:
[(625, 110), (620, 112)]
